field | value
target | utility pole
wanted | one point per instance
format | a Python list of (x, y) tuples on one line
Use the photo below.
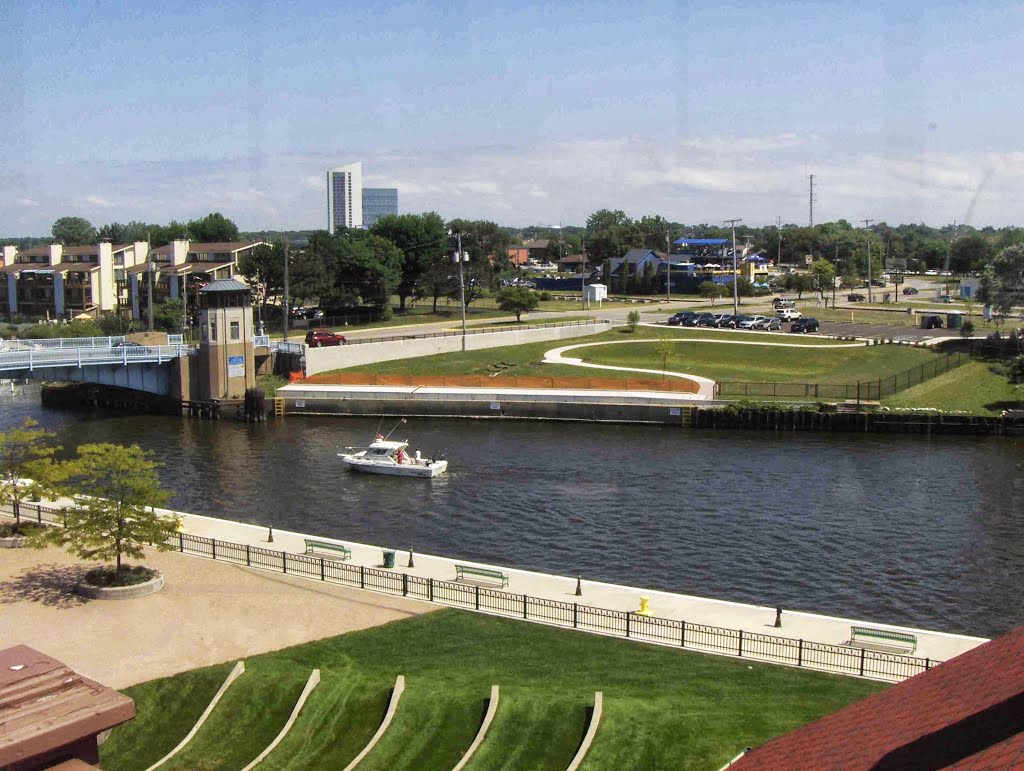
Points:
[(668, 266), (735, 272), (778, 229), (810, 203), (584, 302), (151, 265), (461, 258), (287, 303), (867, 226)]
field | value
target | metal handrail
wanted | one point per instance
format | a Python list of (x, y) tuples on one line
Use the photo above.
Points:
[(61, 342), (31, 359)]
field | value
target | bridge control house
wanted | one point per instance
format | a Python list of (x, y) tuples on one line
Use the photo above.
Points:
[(65, 282)]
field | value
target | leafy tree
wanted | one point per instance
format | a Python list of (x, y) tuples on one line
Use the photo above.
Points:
[(1015, 370), (360, 267), (422, 239), (27, 468), (610, 234), (712, 291), (824, 272), (308, 277), (212, 228), (967, 329), (161, 235), (799, 283), (114, 232), (117, 518), (653, 231), (169, 315), (517, 300), (74, 231), (263, 269), (438, 280), (1002, 283), (969, 253), (113, 324)]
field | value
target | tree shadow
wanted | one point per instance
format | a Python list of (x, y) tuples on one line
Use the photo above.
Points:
[(50, 585), (1005, 405)]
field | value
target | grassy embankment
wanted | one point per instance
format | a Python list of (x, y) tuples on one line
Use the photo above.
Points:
[(973, 388), (664, 708), (815, 364)]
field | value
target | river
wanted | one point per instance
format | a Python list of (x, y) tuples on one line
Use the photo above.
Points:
[(900, 529)]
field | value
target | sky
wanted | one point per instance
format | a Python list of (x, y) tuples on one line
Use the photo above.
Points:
[(522, 113)]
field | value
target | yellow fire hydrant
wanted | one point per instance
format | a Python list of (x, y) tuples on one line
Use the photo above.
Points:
[(644, 611)]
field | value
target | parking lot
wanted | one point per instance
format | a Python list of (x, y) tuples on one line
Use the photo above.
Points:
[(884, 331)]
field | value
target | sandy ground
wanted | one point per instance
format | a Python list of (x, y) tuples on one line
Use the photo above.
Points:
[(207, 612)]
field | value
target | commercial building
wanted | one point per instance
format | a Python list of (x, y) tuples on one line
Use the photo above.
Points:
[(379, 202), (345, 197)]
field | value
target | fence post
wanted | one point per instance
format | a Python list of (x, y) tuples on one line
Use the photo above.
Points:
[(862, 652), (575, 615), (476, 597), (927, 664), (682, 636), (430, 589), (181, 542), (323, 571), (405, 584), (362, 577), (627, 624), (800, 653), (284, 563), (741, 643), (248, 555), (39, 515), (524, 605)]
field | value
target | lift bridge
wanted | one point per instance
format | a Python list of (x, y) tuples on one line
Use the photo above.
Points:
[(111, 361)]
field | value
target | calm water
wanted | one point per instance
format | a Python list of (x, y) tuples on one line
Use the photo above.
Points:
[(911, 530)]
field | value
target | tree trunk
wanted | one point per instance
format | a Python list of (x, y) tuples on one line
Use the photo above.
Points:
[(401, 302)]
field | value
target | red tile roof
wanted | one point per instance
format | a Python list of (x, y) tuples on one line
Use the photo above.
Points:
[(966, 713)]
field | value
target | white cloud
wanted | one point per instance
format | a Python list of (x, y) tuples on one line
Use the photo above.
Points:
[(98, 201), (28, 203)]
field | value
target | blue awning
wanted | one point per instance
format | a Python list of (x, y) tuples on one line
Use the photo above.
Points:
[(701, 241)]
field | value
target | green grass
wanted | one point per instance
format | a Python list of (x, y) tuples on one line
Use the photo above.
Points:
[(972, 388), (664, 708), (719, 362)]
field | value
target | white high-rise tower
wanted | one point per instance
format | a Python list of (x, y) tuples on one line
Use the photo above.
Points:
[(345, 197)]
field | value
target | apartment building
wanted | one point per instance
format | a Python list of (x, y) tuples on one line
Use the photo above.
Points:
[(345, 197)]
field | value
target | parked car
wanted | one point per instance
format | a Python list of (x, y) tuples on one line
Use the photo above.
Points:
[(909, 290), (877, 282), (722, 319), (770, 325), (691, 320), (676, 319), (931, 322), (804, 325), (706, 320), (945, 298), (750, 322), (855, 297), (127, 344), (319, 338), (788, 314), (778, 302)]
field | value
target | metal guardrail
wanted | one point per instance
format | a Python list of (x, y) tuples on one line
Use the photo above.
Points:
[(78, 357), (61, 342), (824, 657)]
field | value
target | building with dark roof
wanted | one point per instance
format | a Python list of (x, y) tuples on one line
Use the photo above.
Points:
[(967, 713)]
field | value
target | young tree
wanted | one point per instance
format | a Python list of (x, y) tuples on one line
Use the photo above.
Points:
[(27, 468), (711, 290), (663, 350), (633, 320), (74, 231), (118, 516), (517, 300)]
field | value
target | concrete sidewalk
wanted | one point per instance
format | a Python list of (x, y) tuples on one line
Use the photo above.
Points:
[(750, 618)]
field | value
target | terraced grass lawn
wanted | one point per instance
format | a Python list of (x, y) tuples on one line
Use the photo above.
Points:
[(972, 388), (719, 362), (664, 708)]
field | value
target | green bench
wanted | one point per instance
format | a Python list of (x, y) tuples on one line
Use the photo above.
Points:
[(335, 549), (461, 571), (866, 637)]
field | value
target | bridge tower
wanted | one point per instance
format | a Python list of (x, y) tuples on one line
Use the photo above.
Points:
[(226, 357)]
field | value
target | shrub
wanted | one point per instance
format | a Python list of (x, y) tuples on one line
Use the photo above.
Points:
[(967, 329), (9, 529), (633, 320), (545, 296), (1015, 370), (129, 576)]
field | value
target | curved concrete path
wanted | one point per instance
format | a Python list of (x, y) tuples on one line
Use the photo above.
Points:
[(492, 709), (396, 694), (595, 721), (311, 683), (235, 673)]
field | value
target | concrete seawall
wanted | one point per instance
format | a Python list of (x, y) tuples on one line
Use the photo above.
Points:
[(324, 359)]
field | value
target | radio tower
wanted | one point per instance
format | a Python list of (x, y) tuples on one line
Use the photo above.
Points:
[(810, 202)]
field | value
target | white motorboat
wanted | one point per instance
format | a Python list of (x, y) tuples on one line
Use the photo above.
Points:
[(386, 457)]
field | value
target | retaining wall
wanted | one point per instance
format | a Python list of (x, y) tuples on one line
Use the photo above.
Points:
[(324, 359)]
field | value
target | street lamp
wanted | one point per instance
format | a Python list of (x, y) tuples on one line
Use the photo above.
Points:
[(867, 227), (152, 269), (460, 257), (735, 271), (286, 302)]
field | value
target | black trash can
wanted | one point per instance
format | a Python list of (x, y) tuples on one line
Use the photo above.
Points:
[(389, 559)]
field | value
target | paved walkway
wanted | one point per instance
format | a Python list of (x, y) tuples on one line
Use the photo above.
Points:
[(208, 612), (750, 618)]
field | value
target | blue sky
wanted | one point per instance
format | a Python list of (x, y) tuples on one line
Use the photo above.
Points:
[(520, 113)]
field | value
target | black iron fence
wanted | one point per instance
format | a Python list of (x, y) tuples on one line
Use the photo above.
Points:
[(867, 390), (683, 634)]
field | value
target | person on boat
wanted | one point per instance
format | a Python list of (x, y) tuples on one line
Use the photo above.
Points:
[(400, 456), (418, 456)]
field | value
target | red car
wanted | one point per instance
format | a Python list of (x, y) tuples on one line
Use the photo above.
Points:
[(318, 338)]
